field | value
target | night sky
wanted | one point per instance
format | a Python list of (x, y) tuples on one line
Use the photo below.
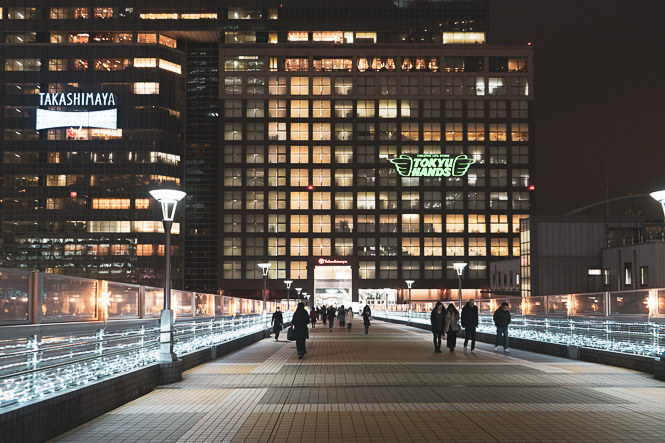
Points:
[(600, 97)]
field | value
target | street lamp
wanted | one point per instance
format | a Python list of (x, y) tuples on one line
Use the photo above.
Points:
[(459, 267), (264, 269), (169, 199), (288, 292), (298, 290), (408, 283), (659, 196)]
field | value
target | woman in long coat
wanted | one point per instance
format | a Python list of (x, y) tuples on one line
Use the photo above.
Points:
[(367, 313), (452, 326), (300, 322), (277, 322)]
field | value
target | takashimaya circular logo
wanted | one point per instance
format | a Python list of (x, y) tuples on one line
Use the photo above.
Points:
[(322, 261)]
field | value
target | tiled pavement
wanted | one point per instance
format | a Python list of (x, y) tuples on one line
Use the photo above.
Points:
[(389, 386)]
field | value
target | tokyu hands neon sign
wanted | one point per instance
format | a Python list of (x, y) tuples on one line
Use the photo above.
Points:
[(432, 165)]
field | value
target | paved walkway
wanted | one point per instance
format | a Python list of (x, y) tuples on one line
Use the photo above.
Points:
[(389, 386)]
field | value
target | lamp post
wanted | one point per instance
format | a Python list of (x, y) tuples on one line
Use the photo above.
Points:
[(264, 269), (288, 292), (659, 196), (298, 290), (168, 198), (408, 283), (459, 267)]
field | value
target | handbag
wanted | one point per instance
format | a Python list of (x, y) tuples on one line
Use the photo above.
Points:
[(290, 335)]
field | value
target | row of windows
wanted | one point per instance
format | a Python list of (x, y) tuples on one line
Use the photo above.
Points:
[(385, 131), (344, 201), (58, 180), (103, 64), (90, 226), (26, 157), (368, 270), (519, 109), (255, 177), (382, 85), (387, 246), (255, 154), (364, 223)]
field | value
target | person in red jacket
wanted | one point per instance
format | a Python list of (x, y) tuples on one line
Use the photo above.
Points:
[(312, 317)]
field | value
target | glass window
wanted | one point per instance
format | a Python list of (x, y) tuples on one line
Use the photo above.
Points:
[(321, 201), (299, 85), (321, 108), (321, 223)]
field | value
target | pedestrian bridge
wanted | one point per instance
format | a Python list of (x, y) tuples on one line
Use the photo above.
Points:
[(388, 386)]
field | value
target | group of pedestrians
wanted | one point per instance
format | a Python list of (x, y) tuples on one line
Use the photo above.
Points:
[(445, 324), (301, 318)]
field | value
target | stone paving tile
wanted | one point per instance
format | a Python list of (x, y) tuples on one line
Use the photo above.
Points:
[(388, 386)]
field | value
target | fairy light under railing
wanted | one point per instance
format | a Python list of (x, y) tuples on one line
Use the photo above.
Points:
[(40, 369), (640, 338)]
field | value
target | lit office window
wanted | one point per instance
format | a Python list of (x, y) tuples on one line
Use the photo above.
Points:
[(343, 246), (299, 85), (411, 246), (454, 223), (299, 109), (231, 270), (321, 86), (499, 224), (410, 222), (299, 154), (276, 130), (321, 131), (277, 85), (321, 223), (146, 37), (321, 154), (277, 108), (433, 247), (343, 85), (232, 246), (343, 200), (296, 64), (298, 270), (366, 200), (299, 131), (321, 177), (321, 246), (344, 177), (299, 177), (299, 200), (367, 270), (454, 247), (498, 200), (254, 200), (165, 41), (145, 62), (498, 132), (146, 88), (365, 108), (344, 223), (276, 223), (388, 223), (519, 132), (321, 109), (111, 203), (276, 246), (432, 223), (298, 37), (388, 108), (299, 246), (321, 201), (499, 247), (299, 223), (477, 247), (276, 200)]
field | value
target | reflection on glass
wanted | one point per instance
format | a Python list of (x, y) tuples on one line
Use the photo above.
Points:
[(68, 298), (13, 296)]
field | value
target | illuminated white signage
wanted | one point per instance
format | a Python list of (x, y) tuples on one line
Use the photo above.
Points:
[(328, 261), (105, 118)]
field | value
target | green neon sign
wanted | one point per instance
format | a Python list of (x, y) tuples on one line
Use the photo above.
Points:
[(432, 165)]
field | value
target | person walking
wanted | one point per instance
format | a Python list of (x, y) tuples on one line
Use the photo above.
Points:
[(349, 318), (324, 314), (501, 321), (470, 323), (367, 313), (299, 322), (277, 322), (341, 316), (452, 326), (331, 317), (438, 319), (312, 317)]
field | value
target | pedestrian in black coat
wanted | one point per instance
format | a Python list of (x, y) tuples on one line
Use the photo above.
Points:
[(438, 319), (331, 317), (277, 323), (470, 323), (300, 321), (367, 313)]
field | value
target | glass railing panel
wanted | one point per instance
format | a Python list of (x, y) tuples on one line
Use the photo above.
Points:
[(68, 298), (14, 300)]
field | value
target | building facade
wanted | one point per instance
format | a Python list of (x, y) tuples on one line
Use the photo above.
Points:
[(280, 121)]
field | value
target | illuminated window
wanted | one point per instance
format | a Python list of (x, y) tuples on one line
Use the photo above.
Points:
[(233, 131), (477, 223), (299, 131), (299, 177), (276, 154), (79, 38), (343, 131), (232, 246), (519, 132), (276, 246), (298, 37), (366, 200), (276, 223), (343, 200), (499, 224), (299, 246), (410, 223), (111, 203), (454, 247), (332, 64), (365, 108), (321, 154), (454, 223), (298, 270), (23, 64), (388, 108), (146, 37), (433, 247), (321, 86), (497, 132), (57, 64), (343, 85), (410, 200), (321, 131), (159, 16), (411, 246), (344, 223), (142, 203), (321, 201), (277, 200), (296, 64), (410, 132), (254, 200), (518, 86), (499, 247), (21, 13), (516, 221), (58, 13), (145, 62), (365, 37), (516, 247), (299, 200), (328, 36), (454, 132), (277, 85), (367, 270), (299, 109), (343, 246), (277, 108), (277, 130), (111, 64), (244, 63), (475, 131), (170, 66), (164, 40), (432, 223), (321, 109), (299, 223), (321, 246), (344, 177), (299, 85), (496, 86), (477, 247), (299, 154), (321, 223), (463, 38), (146, 88), (240, 37), (498, 200), (232, 270), (321, 177)]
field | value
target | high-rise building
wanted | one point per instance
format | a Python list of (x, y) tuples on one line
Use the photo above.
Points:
[(353, 145)]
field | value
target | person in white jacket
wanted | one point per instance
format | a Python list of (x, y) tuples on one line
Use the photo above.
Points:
[(349, 319)]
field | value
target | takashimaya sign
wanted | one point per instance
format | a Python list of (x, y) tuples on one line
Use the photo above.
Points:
[(331, 261), (104, 118), (432, 165)]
